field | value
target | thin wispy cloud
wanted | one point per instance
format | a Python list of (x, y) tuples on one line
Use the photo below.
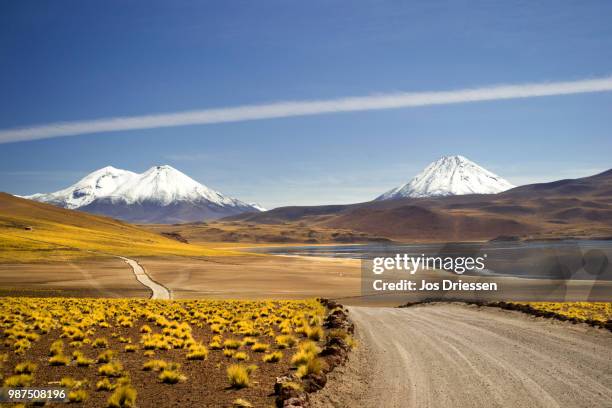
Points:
[(303, 108)]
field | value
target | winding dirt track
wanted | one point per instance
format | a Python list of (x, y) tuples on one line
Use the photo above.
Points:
[(157, 291), (454, 355)]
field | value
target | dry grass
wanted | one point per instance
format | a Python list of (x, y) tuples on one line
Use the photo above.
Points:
[(87, 340), (596, 311), (33, 232), (123, 397), (238, 376)]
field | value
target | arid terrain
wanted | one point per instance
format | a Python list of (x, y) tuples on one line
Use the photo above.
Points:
[(127, 353), (101, 277), (253, 233)]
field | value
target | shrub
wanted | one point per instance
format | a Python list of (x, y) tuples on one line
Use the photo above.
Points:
[(104, 385), (105, 356), (123, 397), (292, 385), (231, 344), (309, 347), (57, 347), (81, 360), (77, 396), (21, 346), (25, 368), (273, 357), (285, 341), (337, 333), (241, 355), (301, 358), (130, 348), (100, 343), (20, 380), (198, 353), (112, 369), (171, 376), (228, 352), (154, 365), (312, 366), (237, 376), (248, 341), (314, 333), (145, 329), (59, 360), (69, 382), (241, 403), (260, 347)]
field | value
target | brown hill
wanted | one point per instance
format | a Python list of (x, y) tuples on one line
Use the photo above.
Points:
[(574, 207)]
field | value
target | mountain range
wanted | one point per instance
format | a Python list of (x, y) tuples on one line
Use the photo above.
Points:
[(565, 208), (161, 194)]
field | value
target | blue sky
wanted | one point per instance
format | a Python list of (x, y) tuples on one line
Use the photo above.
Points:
[(74, 60)]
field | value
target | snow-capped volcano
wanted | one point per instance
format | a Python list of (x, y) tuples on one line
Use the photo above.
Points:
[(98, 184), (161, 194), (450, 175)]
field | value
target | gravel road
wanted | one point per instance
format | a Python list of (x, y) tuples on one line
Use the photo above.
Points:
[(157, 291), (455, 355)]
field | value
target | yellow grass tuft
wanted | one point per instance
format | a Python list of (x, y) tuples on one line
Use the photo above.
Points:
[(59, 360), (123, 397), (198, 353), (154, 365), (112, 369), (100, 343), (260, 347), (171, 376), (272, 357), (77, 396), (241, 356), (312, 366), (241, 403), (25, 368), (238, 376), (104, 385), (20, 380)]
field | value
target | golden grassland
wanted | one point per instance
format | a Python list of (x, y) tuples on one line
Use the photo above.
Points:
[(33, 232), (123, 353), (583, 311)]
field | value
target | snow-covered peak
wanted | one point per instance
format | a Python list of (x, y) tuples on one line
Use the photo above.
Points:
[(450, 175), (100, 183), (160, 185), (165, 184), (258, 207)]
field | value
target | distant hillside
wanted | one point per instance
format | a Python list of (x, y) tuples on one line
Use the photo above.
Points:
[(577, 207), (33, 231)]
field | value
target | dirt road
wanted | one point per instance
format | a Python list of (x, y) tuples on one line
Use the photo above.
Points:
[(454, 355), (158, 291)]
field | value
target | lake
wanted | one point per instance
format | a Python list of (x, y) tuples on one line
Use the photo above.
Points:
[(564, 259)]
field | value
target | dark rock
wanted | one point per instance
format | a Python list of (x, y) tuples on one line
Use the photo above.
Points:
[(296, 402), (314, 382)]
